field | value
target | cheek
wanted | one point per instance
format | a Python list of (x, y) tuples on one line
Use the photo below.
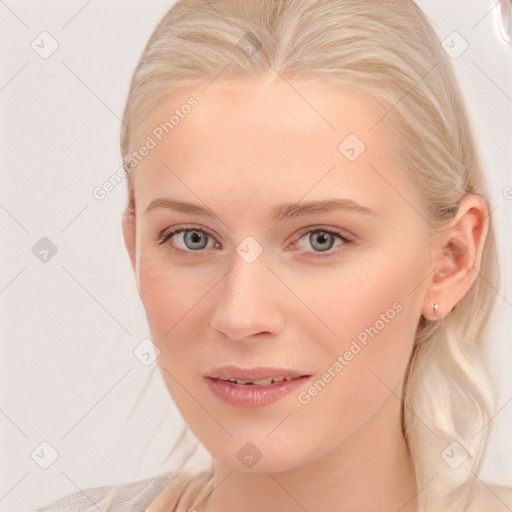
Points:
[(176, 304), (374, 315), (170, 296), (159, 295), (355, 295), (168, 299)]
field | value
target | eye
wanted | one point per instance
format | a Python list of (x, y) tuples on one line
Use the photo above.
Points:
[(190, 239), (193, 239), (323, 239)]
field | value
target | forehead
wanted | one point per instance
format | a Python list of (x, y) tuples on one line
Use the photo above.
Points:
[(281, 138), (255, 111)]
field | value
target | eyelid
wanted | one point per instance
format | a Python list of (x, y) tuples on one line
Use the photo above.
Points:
[(326, 229), (169, 232), (336, 232)]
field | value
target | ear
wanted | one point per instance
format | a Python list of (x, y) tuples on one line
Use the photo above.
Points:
[(457, 256), (128, 225)]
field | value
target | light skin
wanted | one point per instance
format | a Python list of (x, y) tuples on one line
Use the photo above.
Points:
[(243, 150)]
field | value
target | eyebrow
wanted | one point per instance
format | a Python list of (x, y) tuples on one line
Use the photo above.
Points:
[(279, 213)]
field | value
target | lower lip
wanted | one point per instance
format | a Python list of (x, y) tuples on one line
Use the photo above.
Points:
[(252, 395)]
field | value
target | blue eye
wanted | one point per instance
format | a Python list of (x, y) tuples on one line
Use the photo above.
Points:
[(323, 239), (194, 240)]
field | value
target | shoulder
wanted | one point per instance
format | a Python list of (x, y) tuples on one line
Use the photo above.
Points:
[(490, 497), (134, 496)]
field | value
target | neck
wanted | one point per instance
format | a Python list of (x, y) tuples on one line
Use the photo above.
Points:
[(369, 472)]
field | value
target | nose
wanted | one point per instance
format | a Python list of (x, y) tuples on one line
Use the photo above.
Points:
[(248, 301)]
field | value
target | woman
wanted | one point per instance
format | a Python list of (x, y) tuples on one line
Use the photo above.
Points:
[(311, 241)]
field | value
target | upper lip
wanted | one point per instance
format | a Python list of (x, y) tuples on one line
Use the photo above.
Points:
[(256, 373)]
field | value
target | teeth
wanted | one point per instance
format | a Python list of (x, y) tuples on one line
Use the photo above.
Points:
[(262, 382), (259, 382)]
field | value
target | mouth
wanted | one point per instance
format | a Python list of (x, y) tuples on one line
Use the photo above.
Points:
[(253, 387), (259, 376), (258, 382)]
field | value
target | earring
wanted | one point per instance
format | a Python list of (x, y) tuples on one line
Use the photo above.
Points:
[(435, 307)]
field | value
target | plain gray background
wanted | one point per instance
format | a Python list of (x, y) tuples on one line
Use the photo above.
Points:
[(69, 326)]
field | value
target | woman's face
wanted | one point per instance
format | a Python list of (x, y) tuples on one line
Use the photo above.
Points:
[(248, 288)]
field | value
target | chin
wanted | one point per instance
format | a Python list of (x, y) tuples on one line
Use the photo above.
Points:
[(259, 451)]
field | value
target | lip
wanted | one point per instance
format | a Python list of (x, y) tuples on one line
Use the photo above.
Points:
[(256, 373), (253, 395)]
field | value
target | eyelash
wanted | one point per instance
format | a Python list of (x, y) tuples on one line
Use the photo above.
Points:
[(168, 233)]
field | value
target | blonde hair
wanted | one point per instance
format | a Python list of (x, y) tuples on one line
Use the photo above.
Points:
[(389, 50)]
